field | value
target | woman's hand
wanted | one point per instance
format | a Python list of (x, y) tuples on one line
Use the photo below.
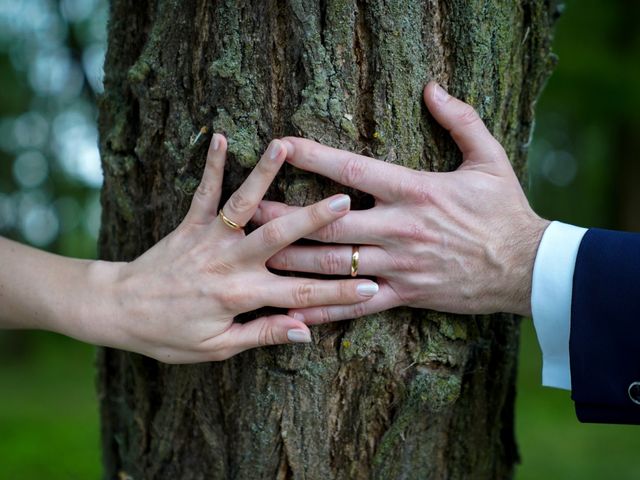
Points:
[(177, 302), (461, 242)]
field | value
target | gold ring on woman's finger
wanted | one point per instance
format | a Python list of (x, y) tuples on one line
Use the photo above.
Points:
[(228, 222), (355, 260)]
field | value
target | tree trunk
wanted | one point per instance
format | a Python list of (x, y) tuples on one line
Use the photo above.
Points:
[(402, 394)]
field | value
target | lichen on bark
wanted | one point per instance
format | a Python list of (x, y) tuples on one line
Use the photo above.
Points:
[(400, 394)]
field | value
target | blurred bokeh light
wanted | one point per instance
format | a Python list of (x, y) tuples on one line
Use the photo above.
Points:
[(51, 56)]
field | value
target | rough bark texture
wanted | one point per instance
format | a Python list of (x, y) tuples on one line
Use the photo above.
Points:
[(403, 394)]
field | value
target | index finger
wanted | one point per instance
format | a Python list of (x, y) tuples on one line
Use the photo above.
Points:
[(381, 179)]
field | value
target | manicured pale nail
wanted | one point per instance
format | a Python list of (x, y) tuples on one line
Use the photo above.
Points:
[(299, 317), (216, 142), (340, 204), (297, 335), (440, 94), (274, 149), (367, 289)]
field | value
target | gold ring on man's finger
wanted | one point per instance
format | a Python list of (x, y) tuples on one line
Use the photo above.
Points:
[(355, 260)]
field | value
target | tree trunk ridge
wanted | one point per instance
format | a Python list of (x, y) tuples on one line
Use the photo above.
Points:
[(402, 394)]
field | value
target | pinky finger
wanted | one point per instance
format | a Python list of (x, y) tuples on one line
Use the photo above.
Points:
[(261, 332), (384, 300)]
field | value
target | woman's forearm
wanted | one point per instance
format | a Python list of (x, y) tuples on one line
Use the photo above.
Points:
[(40, 290)]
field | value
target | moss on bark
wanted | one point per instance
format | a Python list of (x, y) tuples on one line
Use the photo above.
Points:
[(401, 394)]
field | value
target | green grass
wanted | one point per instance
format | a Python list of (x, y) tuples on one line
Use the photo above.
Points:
[(49, 419), (48, 410)]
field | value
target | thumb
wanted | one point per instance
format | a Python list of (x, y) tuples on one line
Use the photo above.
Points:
[(467, 129), (263, 331)]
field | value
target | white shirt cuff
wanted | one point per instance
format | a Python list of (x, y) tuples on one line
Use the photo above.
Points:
[(551, 291)]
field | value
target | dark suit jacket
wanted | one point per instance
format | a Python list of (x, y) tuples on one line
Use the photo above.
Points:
[(604, 345)]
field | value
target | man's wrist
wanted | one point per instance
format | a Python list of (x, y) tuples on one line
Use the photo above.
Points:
[(522, 248)]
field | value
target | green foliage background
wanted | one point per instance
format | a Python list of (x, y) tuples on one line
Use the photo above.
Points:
[(583, 170)]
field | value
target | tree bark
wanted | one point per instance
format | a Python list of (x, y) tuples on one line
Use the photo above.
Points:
[(402, 394)]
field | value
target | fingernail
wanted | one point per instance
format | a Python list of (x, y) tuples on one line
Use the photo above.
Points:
[(274, 149), (299, 317), (340, 204), (297, 335), (440, 95), (216, 141), (367, 289)]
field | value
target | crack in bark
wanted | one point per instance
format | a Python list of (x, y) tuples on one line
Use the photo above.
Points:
[(279, 34), (364, 51)]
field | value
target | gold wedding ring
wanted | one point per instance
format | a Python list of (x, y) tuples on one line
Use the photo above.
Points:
[(355, 260), (228, 222)]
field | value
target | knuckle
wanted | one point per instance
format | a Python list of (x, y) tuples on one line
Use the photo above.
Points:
[(331, 263), (205, 189), (409, 231), (239, 202), (316, 215), (415, 232), (395, 232), (418, 190), (265, 335), (345, 290), (353, 171), (405, 263), (359, 310), (332, 232), (325, 315), (272, 234), (303, 294), (231, 298), (399, 189)]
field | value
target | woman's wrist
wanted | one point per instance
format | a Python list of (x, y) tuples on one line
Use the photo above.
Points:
[(41, 290), (96, 316)]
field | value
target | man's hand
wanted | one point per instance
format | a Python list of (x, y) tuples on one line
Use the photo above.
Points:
[(460, 242)]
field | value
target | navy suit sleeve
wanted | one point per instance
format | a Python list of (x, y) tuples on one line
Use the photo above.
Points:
[(604, 345)]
